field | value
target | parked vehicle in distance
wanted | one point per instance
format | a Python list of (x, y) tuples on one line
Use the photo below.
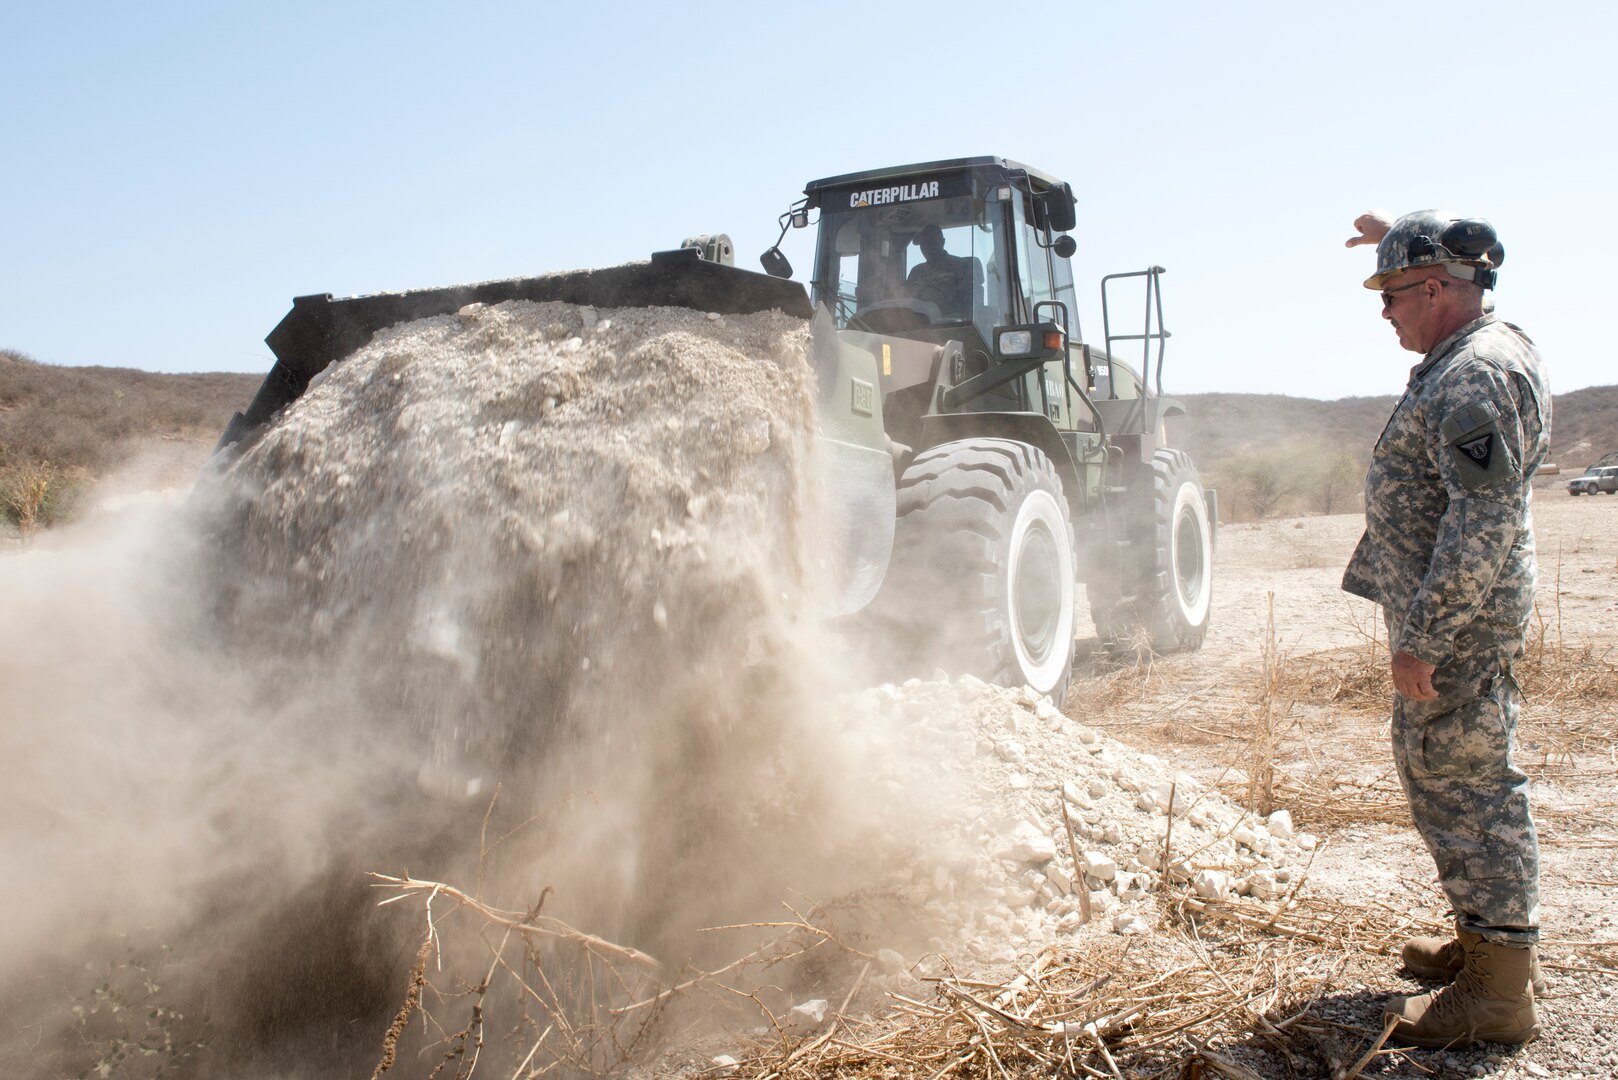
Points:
[(1596, 478)]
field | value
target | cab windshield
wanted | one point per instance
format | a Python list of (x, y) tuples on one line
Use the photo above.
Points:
[(913, 255)]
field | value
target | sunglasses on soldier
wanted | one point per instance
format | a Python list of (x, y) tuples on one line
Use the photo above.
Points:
[(1388, 294)]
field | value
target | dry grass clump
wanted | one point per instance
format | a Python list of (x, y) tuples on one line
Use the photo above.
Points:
[(1219, 979), (1109, 679), (550, 998), (1166, 1006), (1327, 802), (37, 494)]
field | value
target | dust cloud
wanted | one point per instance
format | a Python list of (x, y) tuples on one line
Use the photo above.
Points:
[(514, 600)]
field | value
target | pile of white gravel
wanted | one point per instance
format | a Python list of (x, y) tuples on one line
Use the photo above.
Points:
[(997, 870)]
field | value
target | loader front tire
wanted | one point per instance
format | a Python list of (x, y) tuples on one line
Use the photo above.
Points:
[(982, 577), (1168, 588)]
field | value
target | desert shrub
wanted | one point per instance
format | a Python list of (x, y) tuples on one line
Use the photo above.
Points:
[(37, 494), (1335, 480), (1259, 481), (1290, 479)]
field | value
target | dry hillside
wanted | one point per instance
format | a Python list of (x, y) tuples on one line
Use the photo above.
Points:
[(1222, 426), (63, 427)]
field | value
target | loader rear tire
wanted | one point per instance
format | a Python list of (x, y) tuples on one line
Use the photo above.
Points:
[(1170, 573), (982, 578)]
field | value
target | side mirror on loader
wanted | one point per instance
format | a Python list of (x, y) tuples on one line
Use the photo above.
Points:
[(1057, 208), (775, 263)]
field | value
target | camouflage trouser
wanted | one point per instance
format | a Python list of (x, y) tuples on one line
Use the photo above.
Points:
[(1467, 796)]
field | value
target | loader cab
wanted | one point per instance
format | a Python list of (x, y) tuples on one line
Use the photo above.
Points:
[(944, 250)]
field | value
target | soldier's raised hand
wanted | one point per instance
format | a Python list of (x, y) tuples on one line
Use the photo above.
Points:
[(1373, 226)]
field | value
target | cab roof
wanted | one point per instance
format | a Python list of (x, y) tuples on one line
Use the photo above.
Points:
[(1041, 180)]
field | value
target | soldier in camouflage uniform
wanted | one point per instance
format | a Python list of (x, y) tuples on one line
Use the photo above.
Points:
[(1448, 552)]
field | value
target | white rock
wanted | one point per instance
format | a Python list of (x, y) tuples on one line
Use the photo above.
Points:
[(1089, 737), (1262, 884), (1145, 801), (1211, 884), (1017, 782), (811, 1013), (1070, 922), (508, 431), (1097, 865), (1305, 841), (1127, 780), (1030, 845), (1280, 824), (1112, 833), (1046, 711), (1246, 837), (725, 1065), (1097, 787), (1072, 793), (1011, 750), (1127, 922)]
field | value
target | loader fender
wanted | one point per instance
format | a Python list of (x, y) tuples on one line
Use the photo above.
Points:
[(1032, 428)]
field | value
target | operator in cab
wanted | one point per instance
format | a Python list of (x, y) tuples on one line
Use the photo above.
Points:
[(950, 281)]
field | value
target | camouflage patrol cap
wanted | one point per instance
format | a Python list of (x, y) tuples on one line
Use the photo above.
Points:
[(1467, 248)]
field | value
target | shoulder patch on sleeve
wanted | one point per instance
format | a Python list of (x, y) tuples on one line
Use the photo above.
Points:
[(1472, 435)]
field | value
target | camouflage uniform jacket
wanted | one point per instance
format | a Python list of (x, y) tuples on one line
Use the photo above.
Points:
[(1448, 531)]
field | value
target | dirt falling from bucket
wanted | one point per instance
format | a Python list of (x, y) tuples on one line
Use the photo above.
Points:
[(556, 549)]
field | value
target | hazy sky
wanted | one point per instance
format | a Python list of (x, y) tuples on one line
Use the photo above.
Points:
[(174, 174)]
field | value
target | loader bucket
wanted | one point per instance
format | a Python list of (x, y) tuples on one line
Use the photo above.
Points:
[(854, 468), (321, 330)]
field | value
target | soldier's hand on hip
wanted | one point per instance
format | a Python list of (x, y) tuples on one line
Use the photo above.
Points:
[(1413, 678), (1373, 226)]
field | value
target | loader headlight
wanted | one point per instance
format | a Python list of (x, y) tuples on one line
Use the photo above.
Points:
[(1016, 342), (1029, 341)]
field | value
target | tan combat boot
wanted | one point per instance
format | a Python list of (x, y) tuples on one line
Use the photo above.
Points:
[(1441, 958), (1491, 1000)]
